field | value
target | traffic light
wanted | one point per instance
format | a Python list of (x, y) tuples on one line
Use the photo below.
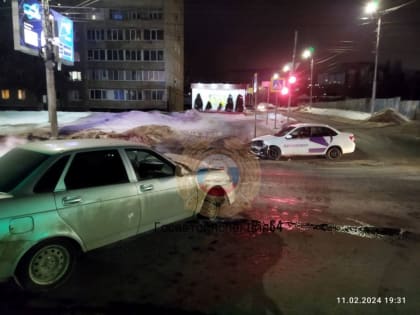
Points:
[(292, 79)]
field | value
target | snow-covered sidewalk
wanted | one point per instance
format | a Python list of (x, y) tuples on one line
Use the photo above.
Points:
[(349, 114)]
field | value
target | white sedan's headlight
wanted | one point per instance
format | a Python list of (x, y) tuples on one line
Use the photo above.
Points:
[(261, 108), (259, 148)]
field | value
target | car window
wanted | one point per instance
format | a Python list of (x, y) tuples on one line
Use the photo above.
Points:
[(96, 168), (50, 178), (148, 165), (284, 132), (301, 133), (322, 132), (329, 132), (16, 165)]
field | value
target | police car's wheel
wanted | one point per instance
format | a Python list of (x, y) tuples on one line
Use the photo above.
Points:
[(274, 153), (334, 153)]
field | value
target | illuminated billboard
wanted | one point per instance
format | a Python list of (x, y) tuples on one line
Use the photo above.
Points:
[(27, 26), (28, 31), (64, 32), (218, 97)]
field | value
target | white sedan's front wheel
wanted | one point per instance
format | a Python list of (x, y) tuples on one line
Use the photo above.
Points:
[(274, 153)]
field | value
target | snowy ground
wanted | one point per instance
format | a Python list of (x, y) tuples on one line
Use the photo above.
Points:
[(10, 121), (21, 122)]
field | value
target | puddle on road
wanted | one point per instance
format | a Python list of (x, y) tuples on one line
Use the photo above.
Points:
[(361, 231), (372, 232)]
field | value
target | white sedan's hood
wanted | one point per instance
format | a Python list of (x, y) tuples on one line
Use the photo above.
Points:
[(267, 138)]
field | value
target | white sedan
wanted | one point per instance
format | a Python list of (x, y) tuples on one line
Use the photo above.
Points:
[(304, 139)]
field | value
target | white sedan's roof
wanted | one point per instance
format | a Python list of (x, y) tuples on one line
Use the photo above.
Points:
[(309, 125), (60, 146)]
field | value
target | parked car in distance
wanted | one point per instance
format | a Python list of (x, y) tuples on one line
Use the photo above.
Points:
[(264, 107), (304, 139), (63, 197)]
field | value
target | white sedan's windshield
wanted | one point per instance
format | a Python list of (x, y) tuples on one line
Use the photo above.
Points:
[(16, 165), (284, 132)]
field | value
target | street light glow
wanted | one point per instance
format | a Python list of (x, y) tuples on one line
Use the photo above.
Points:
[(286, 68), (292, 79), (371, 7), (306, 54)]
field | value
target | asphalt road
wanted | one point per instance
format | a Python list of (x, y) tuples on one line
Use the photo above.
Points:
[(347, 244)]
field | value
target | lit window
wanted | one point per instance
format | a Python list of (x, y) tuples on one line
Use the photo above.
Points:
[(5, 94), (75, 76), (21, 94)]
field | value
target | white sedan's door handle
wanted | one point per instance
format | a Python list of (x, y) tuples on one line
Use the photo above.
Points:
[(68, 201), (146, 187)]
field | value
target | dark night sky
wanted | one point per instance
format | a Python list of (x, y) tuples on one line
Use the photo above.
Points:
[(227, 40)]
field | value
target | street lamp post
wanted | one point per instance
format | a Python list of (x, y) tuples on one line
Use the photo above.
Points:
[(268, 102), (292, 72), (372, 9), (308, 53), (375, 70), (255, 82), (312, 83), (275, 77)]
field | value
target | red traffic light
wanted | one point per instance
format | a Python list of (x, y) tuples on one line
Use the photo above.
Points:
[(292, 79)]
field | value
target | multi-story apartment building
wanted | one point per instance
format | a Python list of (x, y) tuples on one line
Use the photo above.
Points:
[(129, 55)]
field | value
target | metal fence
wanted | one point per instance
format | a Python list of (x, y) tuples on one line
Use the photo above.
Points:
[(410, 109)]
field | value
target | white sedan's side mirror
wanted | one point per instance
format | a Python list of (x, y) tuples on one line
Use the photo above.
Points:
[(288, 137)]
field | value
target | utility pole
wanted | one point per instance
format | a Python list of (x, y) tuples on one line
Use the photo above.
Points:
[(375, 71), (255, 102), (49, 60), (268, 102), (312, 83), (275, 110), (292, 71)]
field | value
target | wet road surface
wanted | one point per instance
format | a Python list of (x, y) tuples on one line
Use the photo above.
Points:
[(347, 233)]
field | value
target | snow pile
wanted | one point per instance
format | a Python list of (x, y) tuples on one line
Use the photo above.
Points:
[(150, 135), (121, 122), (349, 114), (147, 135), (389, 116), (153, 128)]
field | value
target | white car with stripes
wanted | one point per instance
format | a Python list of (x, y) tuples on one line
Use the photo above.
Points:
[(304, 139)]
